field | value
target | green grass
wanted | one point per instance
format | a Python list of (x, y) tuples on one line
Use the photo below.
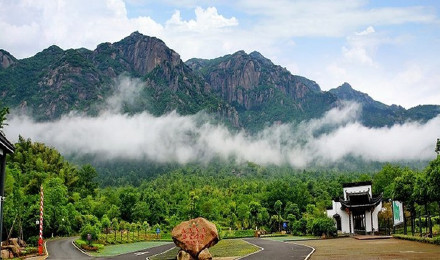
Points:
[(113, 250), (224, 248)]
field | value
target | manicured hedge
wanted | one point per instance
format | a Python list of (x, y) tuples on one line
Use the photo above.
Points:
[(434, 240)]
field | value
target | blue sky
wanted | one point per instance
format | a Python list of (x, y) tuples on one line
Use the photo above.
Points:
[(388, 49)]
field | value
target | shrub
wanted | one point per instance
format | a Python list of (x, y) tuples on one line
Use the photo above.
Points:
[(299, 227), (94, 231), (429, 240), (323, 225), (237, 233)]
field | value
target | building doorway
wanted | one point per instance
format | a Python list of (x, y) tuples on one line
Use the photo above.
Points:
[(337, 218), (359, 221)]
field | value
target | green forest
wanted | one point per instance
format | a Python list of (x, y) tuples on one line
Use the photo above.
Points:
[(234, 196)]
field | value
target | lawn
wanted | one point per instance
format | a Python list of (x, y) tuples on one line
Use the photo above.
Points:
[(350, 248), (113, 250), (224, 248)]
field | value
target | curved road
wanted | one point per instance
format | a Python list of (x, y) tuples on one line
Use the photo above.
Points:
[(277, 250), (63, 249)]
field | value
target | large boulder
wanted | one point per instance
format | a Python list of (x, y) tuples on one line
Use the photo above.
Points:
[(195, 235)]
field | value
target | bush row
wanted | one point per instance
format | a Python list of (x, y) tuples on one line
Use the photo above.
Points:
[(434, 240)]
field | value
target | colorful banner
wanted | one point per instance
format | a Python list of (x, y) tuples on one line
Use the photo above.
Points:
[(397, 212)]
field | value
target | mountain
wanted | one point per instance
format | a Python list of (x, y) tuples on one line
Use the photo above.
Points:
[(241, 90), (55, 82), (262, 92), (377, 114)]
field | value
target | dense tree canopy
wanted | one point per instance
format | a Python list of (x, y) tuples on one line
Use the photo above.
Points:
[(237, 196)]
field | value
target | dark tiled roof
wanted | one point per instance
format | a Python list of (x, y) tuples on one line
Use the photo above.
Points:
[(354, 184), (5, 144)]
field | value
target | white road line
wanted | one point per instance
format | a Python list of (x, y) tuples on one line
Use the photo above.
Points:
[(261, 249), (160, 253), (310, 254)]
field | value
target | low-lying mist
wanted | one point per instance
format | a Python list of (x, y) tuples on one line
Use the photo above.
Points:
[(185, 139)]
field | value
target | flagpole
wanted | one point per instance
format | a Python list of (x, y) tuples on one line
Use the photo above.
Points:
[(40, 239)]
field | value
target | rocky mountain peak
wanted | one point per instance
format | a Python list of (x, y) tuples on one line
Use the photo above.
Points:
[(51, 51), (6, 59), (346, 92), (346, 87), (144, 53)]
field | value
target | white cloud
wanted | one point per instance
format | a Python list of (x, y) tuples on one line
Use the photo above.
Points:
[(328, 18), (367, 31), (30, 26), (183, 139), (207, 19), (362, 46)]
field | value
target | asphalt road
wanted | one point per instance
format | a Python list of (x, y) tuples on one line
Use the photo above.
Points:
[(143, 254), (62, 248), (277, 250)]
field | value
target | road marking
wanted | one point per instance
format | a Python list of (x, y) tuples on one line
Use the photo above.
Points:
[(141, 253), (310, 254), (261, 249)]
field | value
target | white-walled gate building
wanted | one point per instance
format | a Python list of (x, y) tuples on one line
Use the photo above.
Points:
[(357, 211)]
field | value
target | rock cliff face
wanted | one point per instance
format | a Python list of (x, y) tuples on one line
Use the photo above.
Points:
[(236, 76), (252, 82), (6, 59)]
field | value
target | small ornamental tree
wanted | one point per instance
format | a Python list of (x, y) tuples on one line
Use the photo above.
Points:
[(105, 223), (278, 206), (115, 226), (145, 226), (122, 225)]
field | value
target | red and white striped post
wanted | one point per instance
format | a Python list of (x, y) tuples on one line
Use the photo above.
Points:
[(40, 240)]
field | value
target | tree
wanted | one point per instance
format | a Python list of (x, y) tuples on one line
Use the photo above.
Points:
[(193, 200), (433, 180), (145, 227), (113, 212), (384, 178), (55, 200), (128, 196), (140, 211), (278, 206), (420, 195), (403, 191), (4, 111), (115, 226), (122, 226), (293, 209), (254, 210), (86, 183), (105, 222)]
